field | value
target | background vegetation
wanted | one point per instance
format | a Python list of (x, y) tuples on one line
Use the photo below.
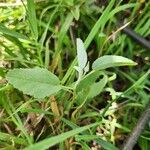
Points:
[(43, 34)]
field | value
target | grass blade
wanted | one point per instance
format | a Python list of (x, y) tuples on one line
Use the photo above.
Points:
[(90, 37), (98, 24), (106, 145), (12, 33), (47, 143), (32, 18)]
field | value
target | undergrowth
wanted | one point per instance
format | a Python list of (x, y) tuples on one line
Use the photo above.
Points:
[(69, 78)]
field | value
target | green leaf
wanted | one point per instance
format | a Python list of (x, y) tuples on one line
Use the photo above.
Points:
[(69, 2), (8, 137), (81, 54), (97, 87), (88, 80), (82, 95), (32, 18), (49, 142), (144, 143), (106, 145), (37, 82), (89, 88), (64, 29), (2, 72), (85, 146), (99, 24), (12, 33), (138, 83), (113, 93), (14, 40), (108, 61), (76, 12)]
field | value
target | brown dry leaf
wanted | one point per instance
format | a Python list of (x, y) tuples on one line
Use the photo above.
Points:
[(54, 108)]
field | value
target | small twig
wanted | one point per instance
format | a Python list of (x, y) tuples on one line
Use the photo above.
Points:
[(138, 38), (118, 30), (143, 120)]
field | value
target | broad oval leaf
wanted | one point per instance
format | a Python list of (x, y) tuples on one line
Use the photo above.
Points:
[(37, 82), (111, 61), (88, 80), (82, 96), (88, 87), (97, 87), (81, 54)]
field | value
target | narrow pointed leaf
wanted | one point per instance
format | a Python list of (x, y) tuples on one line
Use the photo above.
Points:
[(76, 12), (49, 142), (108, 61), (32, 18), (81, 54), (12, 33), (105, 144)]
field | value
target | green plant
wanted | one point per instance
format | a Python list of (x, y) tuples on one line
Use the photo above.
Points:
[(40, 82), (63, 93)]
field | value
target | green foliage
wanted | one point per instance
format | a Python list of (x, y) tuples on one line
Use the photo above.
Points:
[(40, 82), (103, 143), (37, 82), (105, 62), (32, 18), (72, 83), (81, 54), (98, 87), (88, 80), (12, 33), (59, 138)]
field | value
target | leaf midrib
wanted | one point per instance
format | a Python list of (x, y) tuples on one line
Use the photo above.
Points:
[(32, 80)]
